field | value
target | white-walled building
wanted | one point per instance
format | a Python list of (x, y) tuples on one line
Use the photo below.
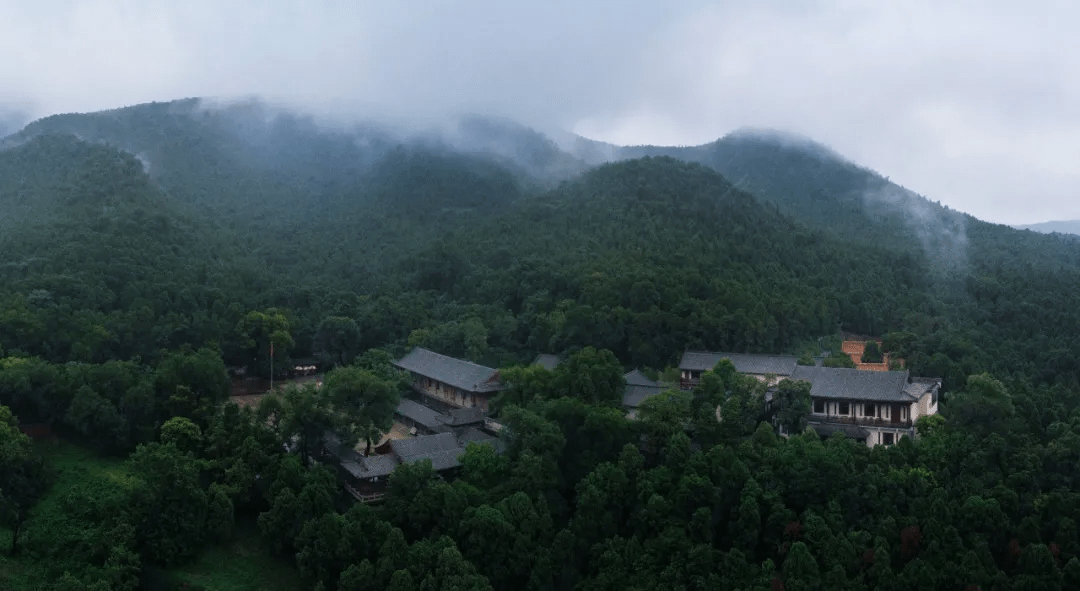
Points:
[(876, 407)]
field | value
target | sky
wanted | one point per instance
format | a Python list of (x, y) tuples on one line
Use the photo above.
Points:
[(973, 104)]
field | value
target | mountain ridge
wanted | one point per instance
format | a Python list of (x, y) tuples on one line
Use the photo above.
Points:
[(1071, 227)]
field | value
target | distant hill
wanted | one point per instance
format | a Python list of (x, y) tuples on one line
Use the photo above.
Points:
[(1059, 227), (493, 241)]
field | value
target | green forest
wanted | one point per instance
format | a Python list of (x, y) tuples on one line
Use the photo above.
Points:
[(143, 251)]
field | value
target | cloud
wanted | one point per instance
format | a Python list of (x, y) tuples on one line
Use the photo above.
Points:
[(975, 104)]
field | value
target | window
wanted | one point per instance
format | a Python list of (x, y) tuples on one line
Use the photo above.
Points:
[(845, 408), (819, 406), (869, 410), (888, 438), (903, 413)]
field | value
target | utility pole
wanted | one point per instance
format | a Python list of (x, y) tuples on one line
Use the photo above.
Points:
[(271, 367)]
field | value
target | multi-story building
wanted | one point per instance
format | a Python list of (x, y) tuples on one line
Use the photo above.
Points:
[(875, 407), (453, 382)]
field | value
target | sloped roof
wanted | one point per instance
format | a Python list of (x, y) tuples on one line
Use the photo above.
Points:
[(780, 365), (420, 414), (440, 460), (852, 384), (470, 434), (469, 415), (356, 464), (920, 386), (381, 465), (699, 360), (456, 372), (546, 360), (428, 444), (639, 388), (474, 435)]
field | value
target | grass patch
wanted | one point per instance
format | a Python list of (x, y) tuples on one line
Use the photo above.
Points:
[(242, 563), (73, 466)]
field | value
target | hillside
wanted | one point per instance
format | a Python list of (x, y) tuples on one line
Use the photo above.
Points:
[(91, 249), (164, 242), (453, 240)]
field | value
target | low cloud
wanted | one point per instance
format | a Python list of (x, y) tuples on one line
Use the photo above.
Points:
[(976, 104)]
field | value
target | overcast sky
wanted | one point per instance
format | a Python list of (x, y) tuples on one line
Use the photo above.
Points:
[(974, 104)]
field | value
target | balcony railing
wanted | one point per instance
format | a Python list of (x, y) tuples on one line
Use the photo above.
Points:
[(863, 421)]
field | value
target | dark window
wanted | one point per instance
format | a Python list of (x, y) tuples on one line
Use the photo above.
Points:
[(887, 438), (845, 408), (868, 410), (819, 406)]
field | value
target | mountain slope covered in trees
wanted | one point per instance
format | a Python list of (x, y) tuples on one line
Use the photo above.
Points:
[(412, 236), (143, 249)]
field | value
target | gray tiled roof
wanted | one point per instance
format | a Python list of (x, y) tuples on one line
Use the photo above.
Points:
[(853, 384), (428, 444), (780, 365), (420, 414), (456, 372), (474, 435), (917, 389), (440, 460), (458, 417), (355, 463), (470, 434), (546, 360), (639, 388), (381, 465)]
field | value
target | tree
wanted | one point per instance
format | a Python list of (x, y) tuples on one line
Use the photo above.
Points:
[(303, 412), (169, 506), (794, 401), (872, 353), (898, 343), (259, 332), (800, 569), (337, 340), (365, 401), (839, 360), (301, 495), (524, 384), (983, 407), (664, 415), (183, 434), (94, 416), (593, 376), (23, 478), (192, 384)]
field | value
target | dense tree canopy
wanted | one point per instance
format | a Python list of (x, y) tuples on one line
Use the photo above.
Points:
[(128, 286)]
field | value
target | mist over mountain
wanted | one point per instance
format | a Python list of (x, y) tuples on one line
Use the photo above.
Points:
[(11, 120), (1059, 226), (145, 249)]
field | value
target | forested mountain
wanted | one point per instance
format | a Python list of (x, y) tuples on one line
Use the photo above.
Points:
[(143, 249), (320, 216)]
